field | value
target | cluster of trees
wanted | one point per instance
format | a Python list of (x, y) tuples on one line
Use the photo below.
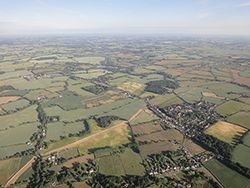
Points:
[(100, 180), (78, 172), (213, 144), (42, 175), (43, 118), (83, 132), (131, 181), (237, 167), (161, 86), (96, 89), (105, 121)]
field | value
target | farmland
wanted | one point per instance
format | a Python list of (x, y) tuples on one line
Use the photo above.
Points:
[(225, 131), (227, 177), (126, 162), (146, 110)]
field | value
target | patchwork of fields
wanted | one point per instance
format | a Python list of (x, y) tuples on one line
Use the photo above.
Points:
[(95, 108)]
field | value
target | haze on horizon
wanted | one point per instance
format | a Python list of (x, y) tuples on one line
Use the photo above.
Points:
[(224, 17)]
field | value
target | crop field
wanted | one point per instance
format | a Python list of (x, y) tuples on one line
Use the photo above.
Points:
[(37, 84), (14, 119), (144, 116), (157, 136), (246, 139), (192, 95), (127, 162), (90, 74), (241, 154), (69, 153), (103, 99), (228, 177), (166, 100), (7, 99), (146, 128), (67, 101), (153, 148), (245, 100), (118, 108), (7, 168), (164, 140), (15, 105), (225, 131), (34, 94), (17, 135), (224, 89), (241, 118), (59, 129), (112, 137), (193, 148), (132, 87), (89, 60), (77, 88), (232, 107)]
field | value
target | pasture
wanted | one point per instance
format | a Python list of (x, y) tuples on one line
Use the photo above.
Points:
[(113, 136), (89, 60), (17, 135), (125, 163), (241, 118), (146, 128), (166, 100), (14, 119), (241, 154), (231, 107), (15, 105), (228, 177), (193, 148), (144, 116), (123, 108), (57, 130), (7, 99)]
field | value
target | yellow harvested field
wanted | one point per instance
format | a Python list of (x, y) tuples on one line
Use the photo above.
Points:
[(131, 86), (7, 99), (210, 94), (225, 131)]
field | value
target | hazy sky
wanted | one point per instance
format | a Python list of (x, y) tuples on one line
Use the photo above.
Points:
[(231, 17)]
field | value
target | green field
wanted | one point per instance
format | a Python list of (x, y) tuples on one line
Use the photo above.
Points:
[(124, 108), (143, 117), (241, 118), (231, 107), (24, 116), (16, 105), (119, 164), (17, 135), (228, 177), (89, 60), (241, 154), (67, 101), (58, 129), (246, 139)]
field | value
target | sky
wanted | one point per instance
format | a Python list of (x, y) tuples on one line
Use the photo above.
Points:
[(209, 17)]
